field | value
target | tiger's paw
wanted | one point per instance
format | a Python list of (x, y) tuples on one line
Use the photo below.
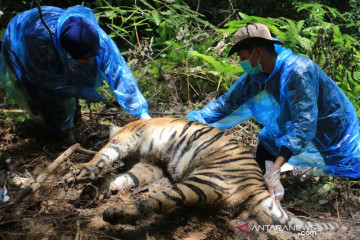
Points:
[(126, 213), (84, 171)]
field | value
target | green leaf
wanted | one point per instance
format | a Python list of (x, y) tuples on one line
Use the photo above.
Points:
[(244, 16), (335, 13), (357, 89), (20, 118), (147, 4), (157, 17), (217, 65)]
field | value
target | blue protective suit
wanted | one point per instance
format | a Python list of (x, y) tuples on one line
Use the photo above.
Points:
[(49, 78), (300, 108)]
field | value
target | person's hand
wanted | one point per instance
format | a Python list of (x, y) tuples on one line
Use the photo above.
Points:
[(91, 95), (272, 178), (145, 116)]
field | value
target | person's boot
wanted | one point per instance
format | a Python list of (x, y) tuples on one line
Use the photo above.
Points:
[(69, 138), (66, 138), (77, 116)]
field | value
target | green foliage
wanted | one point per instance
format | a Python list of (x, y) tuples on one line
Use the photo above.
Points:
[(353, 18), (321, 38), (176, 54), (7, 120), (166, 20), (337, 53), (321, 194), (222, 70), (176, 44), (165, 33), (20, 118)]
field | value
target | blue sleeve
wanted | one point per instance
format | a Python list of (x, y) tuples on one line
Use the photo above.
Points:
[(224, 105), (301, 93), (120, 78)]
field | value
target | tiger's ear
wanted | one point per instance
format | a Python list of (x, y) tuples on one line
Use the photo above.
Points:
[(114, 130)]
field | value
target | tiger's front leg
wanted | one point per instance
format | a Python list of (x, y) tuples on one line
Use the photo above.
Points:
[(139, 175), (116, 150)]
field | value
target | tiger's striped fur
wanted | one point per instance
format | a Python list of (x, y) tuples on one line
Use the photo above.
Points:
[(206, 165)]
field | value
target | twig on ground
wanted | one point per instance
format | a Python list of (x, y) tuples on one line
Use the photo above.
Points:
[(337, 209), (117, 113), (101, 113), (47, 152), (145, 72), (17, 204), (162, 51), (85, 151), (179, 48), (88, 126), (170, 113), (78, 231), (96, 195), (12, 110)]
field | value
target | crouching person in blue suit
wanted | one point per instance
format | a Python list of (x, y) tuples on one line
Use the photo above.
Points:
[(308, 121), (46, 72)]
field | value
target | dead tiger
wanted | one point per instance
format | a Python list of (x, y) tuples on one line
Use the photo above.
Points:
[(206, 166)]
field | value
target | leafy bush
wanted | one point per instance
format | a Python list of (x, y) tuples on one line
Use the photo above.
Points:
[(177, 55), (166, 33)]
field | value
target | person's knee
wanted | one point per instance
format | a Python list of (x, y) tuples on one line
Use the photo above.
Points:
[(262, 155)]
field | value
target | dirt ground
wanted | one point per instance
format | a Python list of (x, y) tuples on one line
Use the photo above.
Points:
[(62, 211)]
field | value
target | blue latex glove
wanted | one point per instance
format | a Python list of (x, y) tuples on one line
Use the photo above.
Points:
[(145, 116), (90, 95)]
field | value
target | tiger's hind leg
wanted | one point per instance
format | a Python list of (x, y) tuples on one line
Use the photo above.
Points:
[(191, 192), (139, 175)]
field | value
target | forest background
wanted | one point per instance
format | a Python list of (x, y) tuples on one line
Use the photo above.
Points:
[(177, 49)]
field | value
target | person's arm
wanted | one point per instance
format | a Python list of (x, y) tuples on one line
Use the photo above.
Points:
[(301, 93), (120, 79), (225, 104), (272, 178)]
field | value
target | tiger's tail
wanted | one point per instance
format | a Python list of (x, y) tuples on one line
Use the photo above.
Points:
[(270, 212)]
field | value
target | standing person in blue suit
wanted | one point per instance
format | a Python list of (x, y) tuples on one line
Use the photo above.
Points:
[(307, 119), (46, 72)]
